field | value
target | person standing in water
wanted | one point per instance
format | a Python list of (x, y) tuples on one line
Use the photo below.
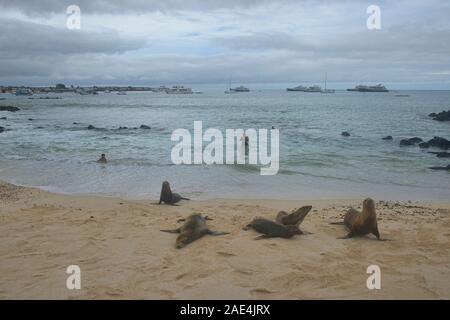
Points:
[(102, 159)]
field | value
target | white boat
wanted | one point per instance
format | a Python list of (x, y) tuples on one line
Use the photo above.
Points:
[(179, 90), (314, 88), (122, 93), (240, 89), (297, 88), (23, 92)]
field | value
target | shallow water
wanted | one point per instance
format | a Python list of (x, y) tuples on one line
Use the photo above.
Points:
[(53, 153)]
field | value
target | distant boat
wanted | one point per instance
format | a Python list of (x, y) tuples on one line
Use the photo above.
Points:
[(238, 89), (327, 90), (297, 88), (23, 92), (179, 90), (314, 88), (122, 93), (377, 88)]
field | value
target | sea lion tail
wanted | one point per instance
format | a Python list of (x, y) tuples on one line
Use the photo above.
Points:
[(171, 231), (215, 233)]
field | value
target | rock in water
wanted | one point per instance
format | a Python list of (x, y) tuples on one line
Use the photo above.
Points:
[(441, 168), (441, 154), (345, 134), (441, 116), (387, 138), (145, 127), (9, 108), (2, 129), (410, 142), (440, 143)]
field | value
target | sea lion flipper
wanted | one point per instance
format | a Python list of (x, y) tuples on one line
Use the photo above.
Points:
[(348, 236), (216, 233), (171, 231), (263, 236)]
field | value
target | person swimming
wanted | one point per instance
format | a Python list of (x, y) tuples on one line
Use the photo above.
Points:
[(102, 159)]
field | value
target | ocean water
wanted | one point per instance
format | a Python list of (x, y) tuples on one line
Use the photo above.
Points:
[(56, 152)]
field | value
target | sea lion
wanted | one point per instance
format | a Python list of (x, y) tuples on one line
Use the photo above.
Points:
[(271, 229), (361, 223), (193, 228), (293, 219), (169, 197)]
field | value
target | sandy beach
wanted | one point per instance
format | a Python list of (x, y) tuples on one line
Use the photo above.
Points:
[(123, 255)]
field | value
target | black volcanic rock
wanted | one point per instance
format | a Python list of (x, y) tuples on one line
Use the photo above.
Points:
[(441, 154), (145, 127), (424, 145), (2, 129), (387, 138), (410, 142), (440, 168), (441, 116), (345, 134), (440, 143), (91, 127), (9, 108), (3, 118)]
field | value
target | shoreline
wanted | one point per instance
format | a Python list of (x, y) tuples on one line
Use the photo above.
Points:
[(123, 255)]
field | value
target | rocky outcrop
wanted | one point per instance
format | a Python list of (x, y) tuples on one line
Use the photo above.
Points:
[(345, 134), (440, 143), (387, 138), (410, 142), (145, 127), (2, 129), (441, 154), (9, 108), (441, 168), (441, 116)]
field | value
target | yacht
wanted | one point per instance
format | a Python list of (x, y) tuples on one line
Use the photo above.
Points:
[(362, 88), (297, 88), (179, 90), (314, 88), (240, 89)]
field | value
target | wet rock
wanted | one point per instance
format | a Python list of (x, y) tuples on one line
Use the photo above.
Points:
[(441, 116), (345, 134), (447, 168), (440, 143), (145, 127), (424, 145), (91, 127), (3, 118), (410, 142), (30, 119), (387, 138), (9, 108), (2, 129), (441, 154)]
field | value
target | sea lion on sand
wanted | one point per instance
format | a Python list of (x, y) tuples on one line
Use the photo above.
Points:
[(193, 228), (271, 229), (167, 196), (361, 223), (293, 219)]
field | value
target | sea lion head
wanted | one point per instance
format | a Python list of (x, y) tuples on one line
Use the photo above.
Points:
[(182, 241), (368, 207), (166, 193)]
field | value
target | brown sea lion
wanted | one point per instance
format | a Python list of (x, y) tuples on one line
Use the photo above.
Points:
[(193, 228), (271, 229), (293, 219), (169, 197), (361, 223)]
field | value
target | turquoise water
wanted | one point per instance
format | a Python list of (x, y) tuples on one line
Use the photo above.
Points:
[(53, 153)]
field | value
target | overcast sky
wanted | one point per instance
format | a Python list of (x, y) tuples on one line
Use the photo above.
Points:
[(207, 41)]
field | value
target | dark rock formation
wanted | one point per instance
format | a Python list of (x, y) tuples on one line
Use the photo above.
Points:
[(441, 116), (387, 138), (410, 142), (2, 129), (3, 118), (9, 108), (440, 168), (441, 154), (91, 127), (145, 127), (424, 145), (345, 134), (440, 143)]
